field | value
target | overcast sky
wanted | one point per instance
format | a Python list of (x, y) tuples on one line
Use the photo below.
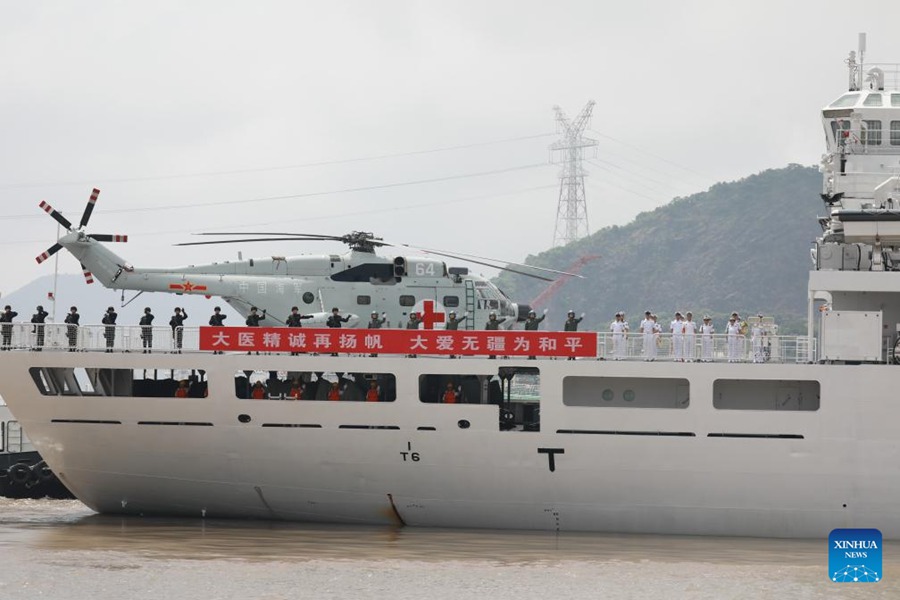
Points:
[(189, 115)]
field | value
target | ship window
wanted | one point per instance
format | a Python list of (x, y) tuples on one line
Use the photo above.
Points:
[(873, 99), (364, 300), (516, 391), (895, 99), (406, 300), (895, 133), (748, 394), (626, 392), (451, 301), (308, 385), (846, 100), (872, 133), (128, 383)]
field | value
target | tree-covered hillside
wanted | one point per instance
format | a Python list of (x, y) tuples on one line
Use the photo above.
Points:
[(739, 246)]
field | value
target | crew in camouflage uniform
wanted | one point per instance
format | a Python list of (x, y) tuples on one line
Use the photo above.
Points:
[(6, 318), (38, 318), (71, 322)]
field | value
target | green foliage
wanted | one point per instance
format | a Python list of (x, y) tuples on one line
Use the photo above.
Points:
[(741, 246)]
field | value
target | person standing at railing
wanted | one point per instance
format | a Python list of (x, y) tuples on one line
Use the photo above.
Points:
[(71, 322), (646, 328), (619, 329), (706, 339), (217, 319), (109, 332), (677, 329), (177, 325), (757, 333), (733, 331), (38, 319), (571, 324), (690, 330), (6, 318), (146, 323)]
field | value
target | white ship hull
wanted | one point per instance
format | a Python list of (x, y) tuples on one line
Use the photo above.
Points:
[(803, 474)]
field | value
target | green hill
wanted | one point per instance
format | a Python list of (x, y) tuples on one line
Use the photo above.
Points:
[(742, 246)]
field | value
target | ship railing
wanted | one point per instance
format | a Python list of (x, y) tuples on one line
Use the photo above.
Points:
[(117, 338), (712, 348), (634, 346)]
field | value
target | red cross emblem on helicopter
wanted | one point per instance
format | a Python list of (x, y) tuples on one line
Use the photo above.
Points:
[(429, 316)]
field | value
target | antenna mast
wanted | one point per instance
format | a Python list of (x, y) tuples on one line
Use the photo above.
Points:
[(569, 152)]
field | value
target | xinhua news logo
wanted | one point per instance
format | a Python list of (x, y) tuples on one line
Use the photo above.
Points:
[(854, 556)]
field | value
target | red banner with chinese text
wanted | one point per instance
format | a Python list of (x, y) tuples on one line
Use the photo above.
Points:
[(400, 341)]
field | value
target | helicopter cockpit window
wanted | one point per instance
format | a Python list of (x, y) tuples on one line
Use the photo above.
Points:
[(451, 301), (364, 300), (873, 99), (308, 297), (406, 300), (845, 100)]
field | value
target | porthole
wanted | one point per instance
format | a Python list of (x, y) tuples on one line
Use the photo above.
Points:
[(308, 297), (608, 395), (628, 396)]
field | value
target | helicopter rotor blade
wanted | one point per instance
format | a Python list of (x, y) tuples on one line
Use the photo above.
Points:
[(88, 277), (274, 239), (56, 215), (493, 266), (50, 252), (108, 237), (501, 264), (89, 208)]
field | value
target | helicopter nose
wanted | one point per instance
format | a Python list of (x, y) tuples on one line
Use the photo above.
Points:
[(523, 310)]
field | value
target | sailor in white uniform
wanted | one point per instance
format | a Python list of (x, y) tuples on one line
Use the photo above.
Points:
[(706, 339), (647, 329), (690, 330), (677, 329), (735, 339), (757, 337), (619, 329)]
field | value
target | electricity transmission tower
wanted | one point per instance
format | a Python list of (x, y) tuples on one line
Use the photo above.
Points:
[(569, 151)]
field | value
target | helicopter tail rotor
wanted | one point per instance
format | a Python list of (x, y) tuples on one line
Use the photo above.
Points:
[(89, 208), (88, 276), (56, 215), (85, 218), (48, 253)]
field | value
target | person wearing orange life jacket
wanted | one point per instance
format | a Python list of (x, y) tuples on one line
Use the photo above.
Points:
[(372, 394), (297, 389), (182, 390), (334, 392), (259, 391), (449, 396)]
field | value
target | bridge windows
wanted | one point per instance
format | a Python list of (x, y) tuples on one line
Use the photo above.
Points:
[(871, 133), (873, 99), (845, 100), (895, 132), (895, 99)]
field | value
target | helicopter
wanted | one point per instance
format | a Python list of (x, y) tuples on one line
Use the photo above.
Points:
[(359, 282)]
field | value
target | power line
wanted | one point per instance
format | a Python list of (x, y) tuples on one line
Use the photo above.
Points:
[(334, 216), (274, 168), (306, 194), (656, 156)]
